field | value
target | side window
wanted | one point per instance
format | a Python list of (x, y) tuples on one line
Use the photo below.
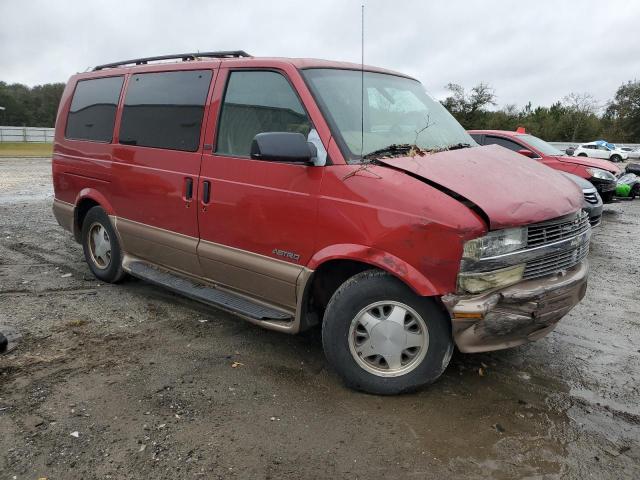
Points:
[(165, 110), (257, 102), (93, 109), (477, 137), (503, 142)]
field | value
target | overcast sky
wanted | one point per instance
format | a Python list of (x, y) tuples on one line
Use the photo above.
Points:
[(535, 51)]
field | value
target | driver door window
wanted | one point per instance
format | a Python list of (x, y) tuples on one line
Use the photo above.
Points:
[(258, 102)]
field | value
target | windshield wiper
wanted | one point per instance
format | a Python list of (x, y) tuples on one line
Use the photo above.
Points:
[(458, 146), (389, 150), (404, 148)]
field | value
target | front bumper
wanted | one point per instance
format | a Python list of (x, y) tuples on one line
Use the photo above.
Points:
[(594, 210), (515, 315)]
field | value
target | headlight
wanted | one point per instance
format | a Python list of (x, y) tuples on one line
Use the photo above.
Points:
[(496, 243), (481, 281), (601, 174)]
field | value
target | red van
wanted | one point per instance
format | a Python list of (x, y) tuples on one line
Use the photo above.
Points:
[(297, 192), (601, 173)]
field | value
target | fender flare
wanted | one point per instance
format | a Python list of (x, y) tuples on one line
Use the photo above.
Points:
[(96, 196), (377, 258)]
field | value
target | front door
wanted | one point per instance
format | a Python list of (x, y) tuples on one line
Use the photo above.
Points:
[(257, 218)]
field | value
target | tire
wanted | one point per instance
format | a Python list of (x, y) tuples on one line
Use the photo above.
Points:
[(615, 158), (104, 260), (582, 154), (390, 311)]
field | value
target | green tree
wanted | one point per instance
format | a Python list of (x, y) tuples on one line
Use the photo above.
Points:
[(469, 109), (33, 107), (622, 116)]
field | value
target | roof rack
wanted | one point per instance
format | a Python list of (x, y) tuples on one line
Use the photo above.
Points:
[(185, 57)]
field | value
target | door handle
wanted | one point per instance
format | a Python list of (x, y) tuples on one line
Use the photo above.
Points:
[(206, 191), (188, 188)]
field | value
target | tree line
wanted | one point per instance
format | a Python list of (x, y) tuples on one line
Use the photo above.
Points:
[(577, 117), (574, 118), (29, 106)]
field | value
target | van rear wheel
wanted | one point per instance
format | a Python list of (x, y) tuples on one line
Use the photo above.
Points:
[(101, 247), (382, 338)]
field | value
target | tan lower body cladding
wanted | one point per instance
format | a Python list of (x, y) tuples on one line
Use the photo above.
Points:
[(273, 281), (64, 212)]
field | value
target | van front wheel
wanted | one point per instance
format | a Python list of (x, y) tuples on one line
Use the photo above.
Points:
[(101, 247), (382, 338)]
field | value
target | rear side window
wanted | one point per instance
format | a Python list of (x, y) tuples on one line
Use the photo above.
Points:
[(503, 142), (93, 109), (258, 102), (165, 110), (477, 137)]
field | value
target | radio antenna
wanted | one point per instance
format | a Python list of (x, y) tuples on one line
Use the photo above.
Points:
[(362, 84)]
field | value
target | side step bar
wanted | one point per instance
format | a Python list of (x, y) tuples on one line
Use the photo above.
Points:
[(209, 295)]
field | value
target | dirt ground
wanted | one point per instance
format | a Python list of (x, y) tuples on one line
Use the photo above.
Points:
[(131, 381)]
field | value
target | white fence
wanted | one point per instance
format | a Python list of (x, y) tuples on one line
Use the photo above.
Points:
[(26, 134)]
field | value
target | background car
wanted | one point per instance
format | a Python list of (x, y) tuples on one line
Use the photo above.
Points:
[(634, 153), (592, 200), (601, 149), (601, 173)]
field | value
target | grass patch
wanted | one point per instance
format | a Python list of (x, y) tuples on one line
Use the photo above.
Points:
[(24, 149)]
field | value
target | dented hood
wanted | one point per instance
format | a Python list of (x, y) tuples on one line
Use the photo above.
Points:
[(509, 189)]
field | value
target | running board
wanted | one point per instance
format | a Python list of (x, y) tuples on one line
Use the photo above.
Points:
[(205, 294)]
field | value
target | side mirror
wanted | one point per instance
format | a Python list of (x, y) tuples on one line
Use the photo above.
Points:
[(283, 147), (527, 153)]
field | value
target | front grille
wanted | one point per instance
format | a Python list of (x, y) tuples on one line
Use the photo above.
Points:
[(555, 262), (591, 197), (550, 232), (595, 221)]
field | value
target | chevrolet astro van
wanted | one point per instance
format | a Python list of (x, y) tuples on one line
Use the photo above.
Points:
[(300, 192)]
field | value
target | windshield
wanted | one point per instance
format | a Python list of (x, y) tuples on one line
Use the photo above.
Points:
[(397, 112), (540, 145)]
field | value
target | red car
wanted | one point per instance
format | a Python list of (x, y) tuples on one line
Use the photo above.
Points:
[(264, 187), (601, 173)]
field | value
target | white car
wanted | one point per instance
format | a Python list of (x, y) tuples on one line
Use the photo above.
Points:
[(601, 149), (634, 153)]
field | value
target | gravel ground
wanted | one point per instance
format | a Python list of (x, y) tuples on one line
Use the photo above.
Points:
[(130, 381)]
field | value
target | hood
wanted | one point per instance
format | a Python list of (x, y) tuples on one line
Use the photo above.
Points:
[(592, 162), (511, 190)]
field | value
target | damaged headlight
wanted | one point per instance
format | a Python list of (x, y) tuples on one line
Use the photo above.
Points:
[(481, 281), (495, 243)]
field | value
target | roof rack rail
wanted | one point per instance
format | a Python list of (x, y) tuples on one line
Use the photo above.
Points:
[(184, 56)]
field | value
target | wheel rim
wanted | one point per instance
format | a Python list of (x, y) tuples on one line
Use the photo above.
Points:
[(388, 339), (99, 246)]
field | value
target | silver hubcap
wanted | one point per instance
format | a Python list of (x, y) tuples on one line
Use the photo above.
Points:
[(99, 246), (388, 339)]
